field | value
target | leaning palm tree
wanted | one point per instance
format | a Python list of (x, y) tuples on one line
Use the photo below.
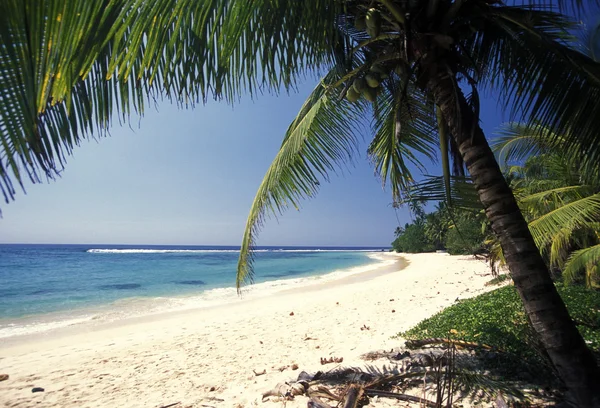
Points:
[(67, 67), (409, 64)]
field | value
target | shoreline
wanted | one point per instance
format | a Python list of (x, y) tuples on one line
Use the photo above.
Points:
[(200, 357), (140, 309)]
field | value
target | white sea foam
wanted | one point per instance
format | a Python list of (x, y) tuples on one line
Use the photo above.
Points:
[(40, 325), (166, 251)]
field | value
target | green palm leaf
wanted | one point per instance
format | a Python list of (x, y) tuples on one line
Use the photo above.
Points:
[(560, 246), (403, 125), (320, 138), (546, 200), (573, 215), (433, 188), (515, 142), (67, 66), (529, 57), (587, 260)]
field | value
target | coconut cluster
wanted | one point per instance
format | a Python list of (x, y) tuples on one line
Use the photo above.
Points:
[(371, 22), (367, 85)]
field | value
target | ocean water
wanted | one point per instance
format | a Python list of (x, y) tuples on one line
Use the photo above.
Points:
[(50, 286)]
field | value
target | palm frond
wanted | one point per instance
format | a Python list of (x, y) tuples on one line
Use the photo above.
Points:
[(547, 200), (515, 142), (403, 125), (572, 215), (528, 56), (524, 187), (444, 152), (433, 188), (576, 7), (586, 260), (322, 137), (559, 248), (68, 66)]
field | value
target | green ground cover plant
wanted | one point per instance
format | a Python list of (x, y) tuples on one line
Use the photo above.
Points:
[(497, 319)]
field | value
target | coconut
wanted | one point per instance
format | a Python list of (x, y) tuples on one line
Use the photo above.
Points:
[(352, 95), (373, 21), (359, 85), (373, 18), (370, 94), (373, 32), (372, 80)]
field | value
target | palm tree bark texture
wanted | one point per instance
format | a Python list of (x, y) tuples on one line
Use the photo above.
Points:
[(566, 348)]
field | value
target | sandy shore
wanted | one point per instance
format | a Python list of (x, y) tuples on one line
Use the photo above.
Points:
[(206, 357)]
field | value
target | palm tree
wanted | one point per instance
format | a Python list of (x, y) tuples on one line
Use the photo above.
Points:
[(423, 56), (67, 67), (558, 196)]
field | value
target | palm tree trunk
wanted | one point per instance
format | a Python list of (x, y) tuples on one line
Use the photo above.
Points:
[(566, 348)]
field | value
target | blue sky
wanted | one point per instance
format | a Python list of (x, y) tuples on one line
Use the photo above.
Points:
[(189, 176)]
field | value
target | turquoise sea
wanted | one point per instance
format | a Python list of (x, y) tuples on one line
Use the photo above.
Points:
[(43, 287)]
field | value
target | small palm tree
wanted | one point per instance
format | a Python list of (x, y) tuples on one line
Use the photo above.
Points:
[(69, 66), (559, 197)]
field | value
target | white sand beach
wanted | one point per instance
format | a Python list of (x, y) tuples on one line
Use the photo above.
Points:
[(206, 357)]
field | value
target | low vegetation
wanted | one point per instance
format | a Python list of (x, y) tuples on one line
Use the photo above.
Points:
[(497, 319)]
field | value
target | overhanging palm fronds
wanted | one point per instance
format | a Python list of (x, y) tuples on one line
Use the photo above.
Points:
[(322, 137), (68, 66), (529, 58), (587, 260)]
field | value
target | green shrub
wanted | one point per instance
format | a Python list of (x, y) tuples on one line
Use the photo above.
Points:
[(498, 319), (413, 240), (465, 236)]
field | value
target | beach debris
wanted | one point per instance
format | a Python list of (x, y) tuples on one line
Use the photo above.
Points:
[(365, 327), (331, 360), (393, 355), (393, 310), (4, 377), (309, 338), (440, 340), (257, 373), (293, 366), (170, 405), (438, 373), (212, 388), (353, 396), (287, 390), (37, 389), (291, 313), (391, 300), (401, 397)]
